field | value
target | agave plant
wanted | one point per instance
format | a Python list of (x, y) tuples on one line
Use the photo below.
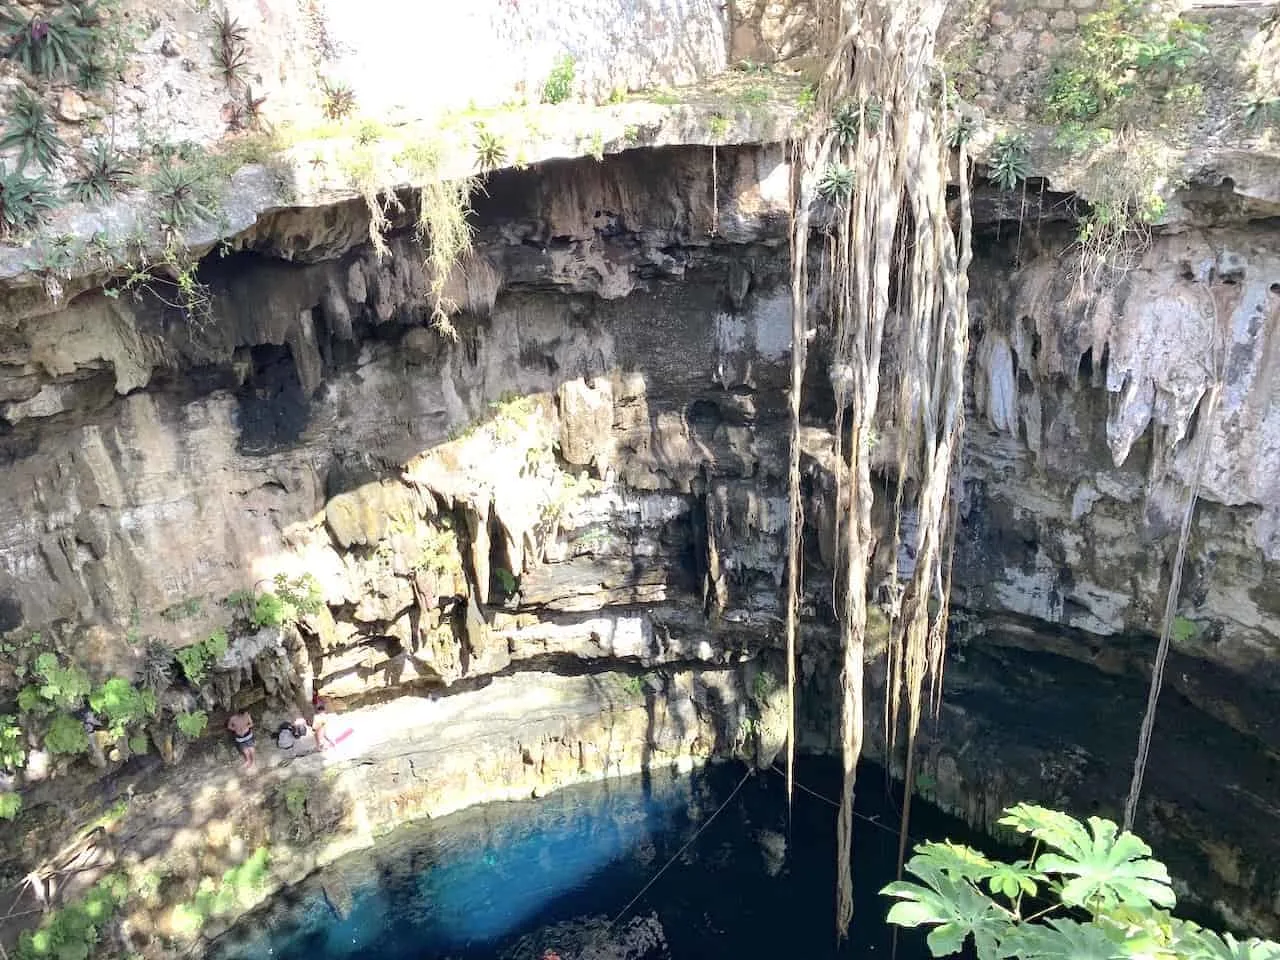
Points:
[(93, 73), (490, 152), (253, 109), (86, 14), (45, 45), (339, 100), (105, 172), (24, 201), (1260, 111), (184, 193), (229, 50), (228, 28), (1010, 161), (962, 132), (245, 113), (849, 118), (30, 129), (836, 184)]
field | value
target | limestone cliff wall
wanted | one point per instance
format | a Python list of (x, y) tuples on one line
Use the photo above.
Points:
[(592, 474)]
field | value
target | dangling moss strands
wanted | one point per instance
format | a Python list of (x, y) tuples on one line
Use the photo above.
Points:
[(897, 292)]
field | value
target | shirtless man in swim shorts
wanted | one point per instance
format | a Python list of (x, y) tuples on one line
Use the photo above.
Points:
[(241, 727)]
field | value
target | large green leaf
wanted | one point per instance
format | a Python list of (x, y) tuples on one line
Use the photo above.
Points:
[(1050, 827), (954, 859), (1014, 879), (1196, 943), (953, 906), (1104, 867), (962, 862), (1062, 940)]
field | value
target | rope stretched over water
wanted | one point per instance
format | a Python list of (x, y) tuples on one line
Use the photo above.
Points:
[(680, 852), (895, 831)]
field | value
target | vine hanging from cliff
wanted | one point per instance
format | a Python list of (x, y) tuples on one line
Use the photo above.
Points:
[(1216, 374), (895, 279)]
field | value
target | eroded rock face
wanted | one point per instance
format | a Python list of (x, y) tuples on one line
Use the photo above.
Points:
[(591, 475), (1090, 416)]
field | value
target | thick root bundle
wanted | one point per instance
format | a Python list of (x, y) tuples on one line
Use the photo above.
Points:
[(898, 274)]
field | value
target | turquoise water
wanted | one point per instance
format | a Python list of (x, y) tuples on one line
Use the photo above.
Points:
[(512, 880)]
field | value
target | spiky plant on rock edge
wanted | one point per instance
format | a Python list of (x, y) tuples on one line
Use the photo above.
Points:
[(47, 46), (24, 202), (184, 193), (105, 173), (32, 132)]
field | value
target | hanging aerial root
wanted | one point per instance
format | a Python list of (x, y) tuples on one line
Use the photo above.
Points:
[(802, 199), (881, 118)]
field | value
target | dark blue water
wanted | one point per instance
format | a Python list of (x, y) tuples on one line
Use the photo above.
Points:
[(511, 880)]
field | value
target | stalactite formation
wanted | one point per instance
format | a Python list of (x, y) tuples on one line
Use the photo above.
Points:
[(896, 288), (1206, 419)]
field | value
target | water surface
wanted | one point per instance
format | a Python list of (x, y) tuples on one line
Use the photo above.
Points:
[(507, 881)]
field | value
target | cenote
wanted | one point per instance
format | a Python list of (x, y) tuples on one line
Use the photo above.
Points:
[(512, 880)]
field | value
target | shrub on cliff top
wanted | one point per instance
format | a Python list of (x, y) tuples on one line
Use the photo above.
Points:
[(559, 85), (1122, 50)]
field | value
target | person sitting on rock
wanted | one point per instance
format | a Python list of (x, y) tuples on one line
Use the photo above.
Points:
[(323, 725), (290, 733), (241, 727)]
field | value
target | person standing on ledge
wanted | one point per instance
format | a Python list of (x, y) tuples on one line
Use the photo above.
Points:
[(241, 727)]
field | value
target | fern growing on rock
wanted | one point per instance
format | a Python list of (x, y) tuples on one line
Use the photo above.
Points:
[(192, 725)]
